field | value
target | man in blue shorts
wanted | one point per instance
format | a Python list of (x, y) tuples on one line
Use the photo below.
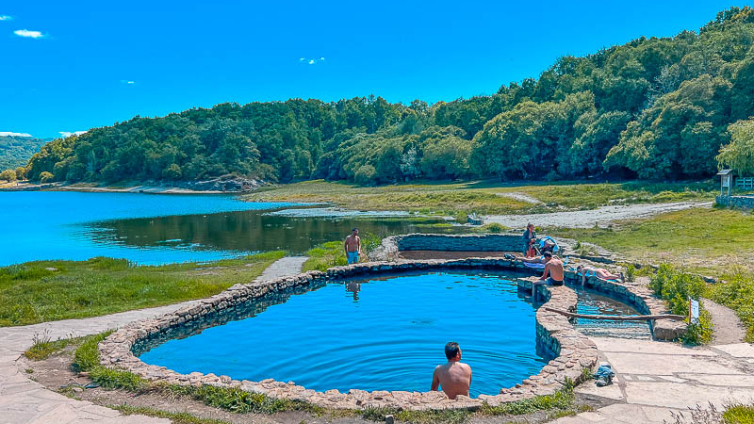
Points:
[(352, 247)]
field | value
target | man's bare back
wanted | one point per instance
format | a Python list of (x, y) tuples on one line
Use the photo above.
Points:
[(454, 377), (555, 269)]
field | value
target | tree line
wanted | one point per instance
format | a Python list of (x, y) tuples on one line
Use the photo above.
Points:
[(651, 108)]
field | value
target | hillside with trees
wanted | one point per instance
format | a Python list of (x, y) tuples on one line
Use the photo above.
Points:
[(652, 108), (16, 151)]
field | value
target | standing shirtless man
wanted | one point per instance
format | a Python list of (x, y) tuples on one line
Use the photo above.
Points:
[(454, 377), (352, 246)]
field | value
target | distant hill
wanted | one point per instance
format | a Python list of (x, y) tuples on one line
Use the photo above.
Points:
[(16, 151), (653, 108)]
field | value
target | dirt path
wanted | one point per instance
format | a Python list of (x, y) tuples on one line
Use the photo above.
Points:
[(728, 328), (589, 218), (522, 197)]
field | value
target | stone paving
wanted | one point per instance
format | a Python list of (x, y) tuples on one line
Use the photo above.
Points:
[(23, 401), (655, 378)]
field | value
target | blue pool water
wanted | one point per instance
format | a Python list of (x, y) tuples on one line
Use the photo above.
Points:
[(376, 334)]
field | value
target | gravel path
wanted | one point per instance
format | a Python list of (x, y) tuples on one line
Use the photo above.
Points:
[(23, 401), (589, 218), (727, 326)]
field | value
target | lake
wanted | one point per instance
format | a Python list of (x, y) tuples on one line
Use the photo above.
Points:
[(155, 229)]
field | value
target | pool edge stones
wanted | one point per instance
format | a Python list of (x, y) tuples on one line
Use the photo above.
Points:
[(572, 351)]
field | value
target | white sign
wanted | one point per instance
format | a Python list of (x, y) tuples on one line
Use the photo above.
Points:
[(694, 311)]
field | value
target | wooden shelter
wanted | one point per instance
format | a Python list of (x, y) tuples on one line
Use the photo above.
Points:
[(726, 181)]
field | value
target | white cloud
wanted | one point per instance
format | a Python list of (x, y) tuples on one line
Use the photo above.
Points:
[(67, 134), (28, 34), (13, 134), (311, 61), (6, 18), (128, 82)]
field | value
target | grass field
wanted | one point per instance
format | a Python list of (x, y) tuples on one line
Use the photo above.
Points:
[(42, 291), (484, 197), (705, 240)]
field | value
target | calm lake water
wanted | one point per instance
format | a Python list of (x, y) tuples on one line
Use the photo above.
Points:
[(372, 334), (154, 229)]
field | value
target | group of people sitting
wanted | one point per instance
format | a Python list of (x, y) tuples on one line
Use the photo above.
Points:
[(542, 254)]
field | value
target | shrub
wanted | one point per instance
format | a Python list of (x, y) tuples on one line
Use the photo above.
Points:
[(45, 177), (8, 175), (172, 172), (20, 173), (676, 288), (365, 175)]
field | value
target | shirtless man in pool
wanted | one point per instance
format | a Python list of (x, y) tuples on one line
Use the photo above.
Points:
[(454, 377)]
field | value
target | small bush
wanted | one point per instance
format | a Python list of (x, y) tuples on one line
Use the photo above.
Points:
[(492, 228), (630, 273), (365, 176), (8, 175), (739, 414), (46, 177), (44, 347), (676, 288)]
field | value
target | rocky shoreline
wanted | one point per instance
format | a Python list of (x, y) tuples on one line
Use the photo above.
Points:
[(231, 185)]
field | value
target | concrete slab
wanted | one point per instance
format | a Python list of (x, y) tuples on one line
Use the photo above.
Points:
[(611, 391), (738, 350), (638, 363), (681, 396), (721, 380), (648, 347)]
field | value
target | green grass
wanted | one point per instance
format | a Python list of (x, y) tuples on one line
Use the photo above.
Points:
[(174, 417), (704, 240), (454, 198), (44, 347), (43, 291), (739, 414)]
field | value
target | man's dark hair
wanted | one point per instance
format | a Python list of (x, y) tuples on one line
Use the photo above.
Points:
[(548, 254), (354, 229), (451, 350)]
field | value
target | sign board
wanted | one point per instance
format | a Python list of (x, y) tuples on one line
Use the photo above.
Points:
[(693, 311)]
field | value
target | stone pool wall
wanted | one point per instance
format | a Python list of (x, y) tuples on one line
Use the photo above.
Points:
[(391, 246), (738, 202), (572, 350)]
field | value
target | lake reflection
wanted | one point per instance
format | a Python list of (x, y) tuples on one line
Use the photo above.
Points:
[(242, 231)]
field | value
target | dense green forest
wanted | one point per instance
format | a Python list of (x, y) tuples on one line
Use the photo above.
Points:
[(652, 108), (16, 151)]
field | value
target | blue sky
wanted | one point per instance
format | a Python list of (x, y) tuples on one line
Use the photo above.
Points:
[(72, 65)]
